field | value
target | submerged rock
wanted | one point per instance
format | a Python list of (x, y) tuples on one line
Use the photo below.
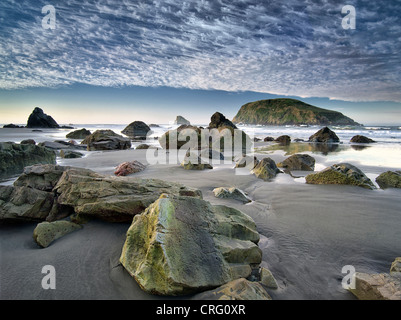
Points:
[(324, 135), (389, 179), (130, 167), (303, 162), (68, 154), (231, 193), (182, 245), (14, 157), (240, 289), (38, 119), (106, 140), (46, 232), (361, 139), (266, 169), (343, 173)]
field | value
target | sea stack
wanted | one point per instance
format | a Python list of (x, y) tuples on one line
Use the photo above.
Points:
[(38, 119)]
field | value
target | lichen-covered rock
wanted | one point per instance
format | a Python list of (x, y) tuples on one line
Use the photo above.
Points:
[(342, 173), (396, 266), (389, 179), (14, 157), (324, 135), (182, 245), (106, 140), (46, 232), (303, 162), (267, 278), (112, 198), (129, 167), (231, 193), (266, 169), (240, 289)]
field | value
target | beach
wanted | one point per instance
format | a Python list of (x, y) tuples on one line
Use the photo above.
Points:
[(308, 233)]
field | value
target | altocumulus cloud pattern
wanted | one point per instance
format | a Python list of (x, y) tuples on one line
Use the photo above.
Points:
[(282, 47)]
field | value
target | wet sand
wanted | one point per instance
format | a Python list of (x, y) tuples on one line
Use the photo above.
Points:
[(308, 233)]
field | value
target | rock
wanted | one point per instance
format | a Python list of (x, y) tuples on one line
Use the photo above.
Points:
[(38, 119), (343, 173), (11, 126), (181, 120), (52, 192), (240, 289), (115, 199), (28, 141), (137, 130), (324, 135), (142, 146), (14, 157), (245, 161), (152, 125), (211, 154), (106, 140), (361, 139), (183, 135), (231, 193), (303, 162), (381, 286), (268, 139), (46, 232), (127, 168), (24, 204), (218, 120), (70, 154), (266, 169), (396, 267), (389, 179), (190, 164), (183, 245), (283, 140), (267, 278), (78, 134)]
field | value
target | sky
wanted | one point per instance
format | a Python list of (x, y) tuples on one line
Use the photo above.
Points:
[(117, 61)]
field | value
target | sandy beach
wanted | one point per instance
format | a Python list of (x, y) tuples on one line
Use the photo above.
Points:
[(308, 233)]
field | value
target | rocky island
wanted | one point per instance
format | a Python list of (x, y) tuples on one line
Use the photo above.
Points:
[(289, 112)]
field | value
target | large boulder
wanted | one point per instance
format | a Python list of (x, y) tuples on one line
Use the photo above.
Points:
[(182, 245), (342, 173), (266, 169), (53, 192), (389, 179), (14, 157), (381, 286), (303, 162), (239, 289), (324, 135), (47, 232), (361, 139), (181, 120), (283, 140), (79, 134), (38, 119), (106, 140), (184, 135), (137, 130)]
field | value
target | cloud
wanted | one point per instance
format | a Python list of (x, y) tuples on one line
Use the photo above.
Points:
[(292, 47)]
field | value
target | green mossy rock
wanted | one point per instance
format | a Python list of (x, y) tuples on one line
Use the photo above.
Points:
[(266, 169), (46, 232), (182, 245), (343, 173), (389, 179)]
